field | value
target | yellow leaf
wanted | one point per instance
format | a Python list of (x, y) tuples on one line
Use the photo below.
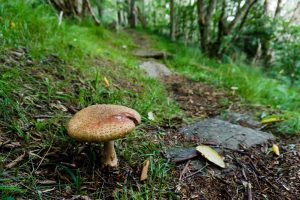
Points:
[(270, 120), (211, 155), (13, 25), (275, 149), (106, 82)]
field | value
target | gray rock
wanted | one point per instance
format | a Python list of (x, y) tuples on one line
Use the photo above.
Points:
[(151, 54), (180, 154), (155, 69), (225, 134), (241, 119)]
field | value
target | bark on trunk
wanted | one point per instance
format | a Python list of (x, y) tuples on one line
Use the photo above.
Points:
[(141, 17), (278, 9), (204, 21), (132, 14), (172, 21), (74, 8)]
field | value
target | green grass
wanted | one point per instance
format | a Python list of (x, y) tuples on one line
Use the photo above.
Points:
[(253, 85), (65, 67)]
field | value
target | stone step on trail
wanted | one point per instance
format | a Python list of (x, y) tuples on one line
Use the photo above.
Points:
[(155, 69), (142, 53), (225, 134)]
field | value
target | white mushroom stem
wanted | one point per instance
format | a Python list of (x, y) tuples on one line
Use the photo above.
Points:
[(109, 155)]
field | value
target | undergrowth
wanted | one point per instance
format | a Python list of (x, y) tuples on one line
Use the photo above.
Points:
[(50, 71)]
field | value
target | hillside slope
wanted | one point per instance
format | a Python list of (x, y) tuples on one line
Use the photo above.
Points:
[(48, 72)]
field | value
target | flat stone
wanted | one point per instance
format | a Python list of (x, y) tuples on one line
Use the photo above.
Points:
[(180, 154), (151, 54), (155, 69), (242, 119), (225, 134)]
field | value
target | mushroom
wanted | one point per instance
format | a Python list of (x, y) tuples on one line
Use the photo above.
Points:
[(104, 123)]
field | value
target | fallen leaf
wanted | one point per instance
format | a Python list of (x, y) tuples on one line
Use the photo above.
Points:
[(13, 25), (15, 162), (270, 120), (106, 82), (211, 155), (58, 106), (144, 174), (151, 116), (275, 149)]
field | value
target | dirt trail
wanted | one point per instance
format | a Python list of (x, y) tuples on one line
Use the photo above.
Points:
[(252, 173)]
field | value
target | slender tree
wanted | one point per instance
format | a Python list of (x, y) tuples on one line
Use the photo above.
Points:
[(278, 8), (74, 8), (132, 14), (172, 21), (217, 46)]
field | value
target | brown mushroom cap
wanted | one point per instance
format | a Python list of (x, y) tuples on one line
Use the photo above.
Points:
[(102, 123)]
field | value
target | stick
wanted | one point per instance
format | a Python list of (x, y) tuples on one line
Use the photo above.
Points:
[(249, 191), (200, 170), (16, 161), (184, 169)]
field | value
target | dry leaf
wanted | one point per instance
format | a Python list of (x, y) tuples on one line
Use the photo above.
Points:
[(270, 120), (211, 155), (144, 174), (106, 82), (151, 116), (15, 162), (275, 149), (59, 107)]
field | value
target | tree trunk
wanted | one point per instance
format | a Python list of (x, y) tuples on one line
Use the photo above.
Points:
[(132, 14), (278, 9), (172, 21), (266, 7), (141, 17), (74, 8), (204, 21), (218, 47)]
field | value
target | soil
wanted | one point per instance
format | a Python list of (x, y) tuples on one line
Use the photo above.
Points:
[(199, 99)]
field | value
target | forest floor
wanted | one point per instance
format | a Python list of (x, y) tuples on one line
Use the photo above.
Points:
[(49, 166)]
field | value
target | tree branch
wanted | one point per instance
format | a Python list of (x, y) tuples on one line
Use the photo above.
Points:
[(278, 8), (240, 14)]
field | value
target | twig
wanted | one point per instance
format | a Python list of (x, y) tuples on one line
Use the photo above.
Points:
[(43, 158), (184, 169), (16, 161), (249, 191), (200, 170)]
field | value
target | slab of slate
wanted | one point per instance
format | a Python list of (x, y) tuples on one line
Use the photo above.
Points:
[(242, 119), (180, 154), (143, 53), (225, 134), (155, 69)]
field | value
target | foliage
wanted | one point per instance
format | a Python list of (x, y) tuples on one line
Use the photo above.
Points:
[(287, 52)]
